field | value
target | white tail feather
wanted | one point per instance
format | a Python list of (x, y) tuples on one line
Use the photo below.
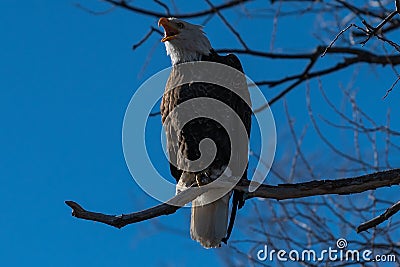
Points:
[(209, 222)]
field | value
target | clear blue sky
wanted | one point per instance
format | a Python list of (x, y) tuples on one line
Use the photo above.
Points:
[(66, 79)]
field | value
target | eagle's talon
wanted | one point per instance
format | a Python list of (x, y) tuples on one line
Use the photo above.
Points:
[(199, 181), (203, 180)]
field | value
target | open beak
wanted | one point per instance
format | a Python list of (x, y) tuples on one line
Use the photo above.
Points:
[(170, 30)]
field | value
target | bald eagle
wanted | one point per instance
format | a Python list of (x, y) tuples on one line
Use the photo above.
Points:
[(186, 42)]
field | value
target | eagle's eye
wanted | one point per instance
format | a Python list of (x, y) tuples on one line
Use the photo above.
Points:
[(180, 25)]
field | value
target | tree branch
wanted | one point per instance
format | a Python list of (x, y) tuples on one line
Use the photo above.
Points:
[(122, 220), (379, 219), (307, 74), (227, 24), (373, 30), (279, 192), (123, 4)]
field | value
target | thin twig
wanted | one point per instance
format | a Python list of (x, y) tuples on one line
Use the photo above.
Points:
[(335, 39), (165, 6), (146, 37), (227, 5), (93, 12), (226, 22), (373, 31), (391, 87)]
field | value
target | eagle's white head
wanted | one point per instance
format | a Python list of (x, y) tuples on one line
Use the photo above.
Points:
[(184, 41)]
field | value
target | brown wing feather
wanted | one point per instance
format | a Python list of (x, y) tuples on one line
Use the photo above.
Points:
[(187, 140)]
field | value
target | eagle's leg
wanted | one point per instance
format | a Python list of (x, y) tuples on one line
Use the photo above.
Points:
[(198, 180), (237, 202)]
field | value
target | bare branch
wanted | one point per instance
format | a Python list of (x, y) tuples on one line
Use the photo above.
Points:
[(226, 22), (335, 39), (146, 37), (391, 87), (120, 221), (343, 186), (93, 12), (154, 114), (373, 31), (306, 74), (279, 192), (151, 13), (165, 6), (325, 140), (379, 219)]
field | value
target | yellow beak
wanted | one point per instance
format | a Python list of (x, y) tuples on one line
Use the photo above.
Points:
[(170, 30)]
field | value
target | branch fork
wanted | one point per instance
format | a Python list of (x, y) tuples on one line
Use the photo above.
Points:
[(279, 192)]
